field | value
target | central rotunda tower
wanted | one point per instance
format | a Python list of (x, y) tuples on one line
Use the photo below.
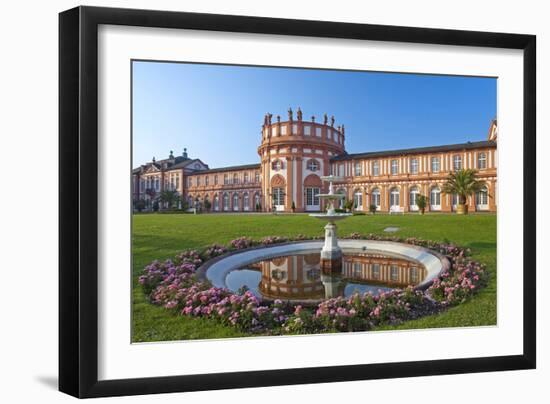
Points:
[(294, 155)]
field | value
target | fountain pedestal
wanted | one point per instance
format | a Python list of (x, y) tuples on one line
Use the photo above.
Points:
[(331, 253)]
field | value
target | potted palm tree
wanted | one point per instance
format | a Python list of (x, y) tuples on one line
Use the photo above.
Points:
[(421, 202), (464, 184)]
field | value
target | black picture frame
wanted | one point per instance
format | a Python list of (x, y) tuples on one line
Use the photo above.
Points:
[(78, 200)]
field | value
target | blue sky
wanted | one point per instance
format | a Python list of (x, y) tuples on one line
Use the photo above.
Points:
[(217, 111)]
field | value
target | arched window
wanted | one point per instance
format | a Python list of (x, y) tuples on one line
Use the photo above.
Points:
[(257, 204), (312, 165), (435, 198), (413, 194), (277, 165), (394, 197), (246, 204), (457, 162), (225, 202), (216, 205), (375, 198), (482, 199), (278, 198), (235, 201), (482, 161)]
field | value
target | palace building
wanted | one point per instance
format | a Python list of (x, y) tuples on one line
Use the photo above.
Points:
[(295, 153)]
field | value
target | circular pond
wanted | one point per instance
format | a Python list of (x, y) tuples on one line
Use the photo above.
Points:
[(293, 272)]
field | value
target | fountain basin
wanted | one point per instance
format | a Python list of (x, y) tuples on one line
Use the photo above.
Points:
[(330, 217), (258, 268)]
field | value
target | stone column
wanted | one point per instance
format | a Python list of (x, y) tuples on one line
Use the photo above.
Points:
[(289, 184), (299, 185)]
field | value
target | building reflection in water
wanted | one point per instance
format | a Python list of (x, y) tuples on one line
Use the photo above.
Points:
[(299, 277)]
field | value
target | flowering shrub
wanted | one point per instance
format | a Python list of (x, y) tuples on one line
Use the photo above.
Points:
[(175, 285)]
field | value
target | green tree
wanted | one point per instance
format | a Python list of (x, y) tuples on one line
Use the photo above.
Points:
[(372, 208), (169, 197), (464, 184)]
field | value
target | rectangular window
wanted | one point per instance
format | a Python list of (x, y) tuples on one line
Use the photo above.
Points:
[(375, 271), (436, 164), (215, 180), (414, 166), (206, 180), (225, 179), (257, 177), (376, 167), (278, 197), (312, 196), (482, 161), (457, 162), (394, 273), (357, 168), (197, 181), (394, 167)]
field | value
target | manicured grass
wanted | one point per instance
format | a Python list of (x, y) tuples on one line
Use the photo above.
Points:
[(161, 236)]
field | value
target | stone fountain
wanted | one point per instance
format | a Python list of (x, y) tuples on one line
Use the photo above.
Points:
[(331, 253)]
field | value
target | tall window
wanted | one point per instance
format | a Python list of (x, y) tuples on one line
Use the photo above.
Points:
[(394, 167), (225, 179), (257, 177), (206, 180), (482, 161), (312, 165), (246, 202), (454, 199), (256, 201), (375, 197), (435, 198), (246, 178), (235, 202), (414, 166), (394, 273), (482, 197), (278, 197), (225, 202), (357, 168), (414, 274), (413, 195), (235, 179), (197, 181), (216, 202), (376, 167), (215, 180), (358, 200), (436, 164), (457, 162), (312, 196), (375, 271), (394, 197), (177, 184)]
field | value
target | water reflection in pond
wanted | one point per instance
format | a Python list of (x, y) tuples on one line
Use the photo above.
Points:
[(299, 277)]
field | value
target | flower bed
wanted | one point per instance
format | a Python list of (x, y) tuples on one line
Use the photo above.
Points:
[(174, 284)]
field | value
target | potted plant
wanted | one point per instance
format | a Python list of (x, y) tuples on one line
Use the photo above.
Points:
[(348, 205), (372, 208), (464, 184), (421, 202), (293, 207), (207, 205)]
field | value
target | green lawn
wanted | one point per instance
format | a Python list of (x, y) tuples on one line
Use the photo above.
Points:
[(161, 236)]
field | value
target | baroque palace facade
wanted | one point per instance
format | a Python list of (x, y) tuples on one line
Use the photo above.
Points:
[(295, 153)]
